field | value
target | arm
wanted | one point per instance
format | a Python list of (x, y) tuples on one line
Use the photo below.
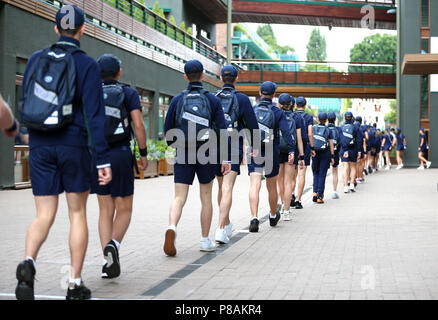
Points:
[(248, 117), (140, 134), (8, 123)]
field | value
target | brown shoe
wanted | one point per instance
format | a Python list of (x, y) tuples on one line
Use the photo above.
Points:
[(169, 242), (320, 201), (315, 197)]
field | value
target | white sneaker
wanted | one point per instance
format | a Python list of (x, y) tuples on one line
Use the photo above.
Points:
[(208, 245), (358, 181), (229, 229), (335, 195), (221, 236), (287, 215), (399, 167), (346, 190), (388, 167), (428, 163), (352, 187), (420, 168)]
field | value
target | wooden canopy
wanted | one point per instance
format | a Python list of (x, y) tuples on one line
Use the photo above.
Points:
[(420, 64)]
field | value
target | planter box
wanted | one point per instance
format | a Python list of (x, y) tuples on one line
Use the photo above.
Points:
[(25, 170), (151, 171), (165, 168)]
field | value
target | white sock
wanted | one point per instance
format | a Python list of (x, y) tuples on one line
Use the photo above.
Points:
[(172, 227), (33, 261), (272, 217), (117, 244), (255, 218), (77, 281), (206, 239)]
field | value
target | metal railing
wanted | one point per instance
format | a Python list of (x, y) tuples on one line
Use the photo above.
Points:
[(95, 10), (316, 72)]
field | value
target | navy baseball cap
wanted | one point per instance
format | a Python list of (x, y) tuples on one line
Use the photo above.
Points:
[(322, 116), (301, 101), (292, 100), (67, 12), (331, 116), (109, 64), (348, 115), (359, 119), (229, 71), (285, 99), (268, 88), (193, 66)]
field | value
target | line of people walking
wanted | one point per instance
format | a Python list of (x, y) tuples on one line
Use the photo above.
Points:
[(81, 120)]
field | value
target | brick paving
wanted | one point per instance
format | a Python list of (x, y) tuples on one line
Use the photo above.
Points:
[(380, 243)]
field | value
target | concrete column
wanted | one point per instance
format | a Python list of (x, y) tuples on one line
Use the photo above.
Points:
[(408, 86), (155, 114), (7, 88)]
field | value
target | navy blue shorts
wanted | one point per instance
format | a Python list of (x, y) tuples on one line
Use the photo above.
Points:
[(122, 167), (336, 158), (352, 155), (185, 173), (284, 157), (55, 169), (234, 165), (257, 165), (423, 149)]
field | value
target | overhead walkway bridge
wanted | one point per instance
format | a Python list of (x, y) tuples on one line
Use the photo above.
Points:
[(320, 79)]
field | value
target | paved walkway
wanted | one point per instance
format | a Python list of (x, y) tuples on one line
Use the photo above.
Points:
[(380, 243)]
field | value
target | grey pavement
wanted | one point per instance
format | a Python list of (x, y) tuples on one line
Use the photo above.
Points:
[(379, 243)]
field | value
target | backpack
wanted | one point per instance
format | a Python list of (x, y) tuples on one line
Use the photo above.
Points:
[(117, 121), (266, 119), (372, 136), (230, 106), (49, 89), (336, 138), (284, 146), (347, 132), (321, 137), (194, 110)]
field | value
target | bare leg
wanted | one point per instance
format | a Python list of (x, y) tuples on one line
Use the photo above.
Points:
[(123, 217), (423, 160), (207, 208), (346, 173), (271, 184), (301, 182), (77, 210), (181, 192), (254, 193), (38, 230), (280, 183), (227, 198), (219, 193), (106, 219), (335, 178), (289, 172)]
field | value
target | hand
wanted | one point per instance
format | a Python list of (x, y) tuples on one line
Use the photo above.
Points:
[(144, 163), (254, 152), (226, 168), (105, 176), (358, 155), (291, 158), (313, 153), (419, 149), (301, 164), (332, 162), (12, 134), (346, 155)]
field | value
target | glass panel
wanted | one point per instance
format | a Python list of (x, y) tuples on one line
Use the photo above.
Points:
[(424, 46), (424, 105), (425, 13), (20, 66)]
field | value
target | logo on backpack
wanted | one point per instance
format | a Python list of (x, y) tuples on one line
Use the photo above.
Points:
[(266, 119), (230, 106), (116, 116), (284, 146), (321, 136), (49, 89), (194, 110)]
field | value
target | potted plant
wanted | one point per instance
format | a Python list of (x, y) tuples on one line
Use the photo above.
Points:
[(153, 158), (167, 161)]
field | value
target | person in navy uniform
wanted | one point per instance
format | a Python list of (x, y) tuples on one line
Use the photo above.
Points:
[(386, 148), (256, 166), (322, 158), (116, 198), (331, 116), (360, 165), (184, 173), (286, 182), (422, 149), (60, 161), (350, 153), (306, 133), (245, 120), (401, 146)]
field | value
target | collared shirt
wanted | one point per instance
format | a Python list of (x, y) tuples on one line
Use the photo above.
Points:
[(88, 100), (308, 121)]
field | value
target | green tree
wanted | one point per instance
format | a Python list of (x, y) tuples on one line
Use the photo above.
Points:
[(375, 48), (391, 116), (267, 34), (317, 47)]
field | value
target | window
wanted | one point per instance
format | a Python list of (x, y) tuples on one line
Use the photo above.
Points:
[(424, 104), (425, 46), (425, 13)]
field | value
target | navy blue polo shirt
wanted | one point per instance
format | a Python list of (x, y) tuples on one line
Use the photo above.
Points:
[(215, 105), (132, 102), (89, 95), (307, 121), (280, 124), (360, 135)]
